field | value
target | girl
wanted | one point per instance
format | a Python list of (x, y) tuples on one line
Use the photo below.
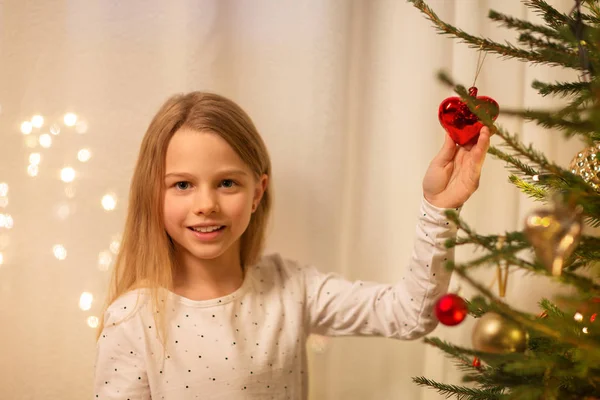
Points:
[(194, 311)]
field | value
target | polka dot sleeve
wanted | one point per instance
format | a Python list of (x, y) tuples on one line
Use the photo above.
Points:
[(404, 310), (120, 357)]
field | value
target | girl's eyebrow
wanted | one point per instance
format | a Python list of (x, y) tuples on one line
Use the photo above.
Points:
[(222, 172)]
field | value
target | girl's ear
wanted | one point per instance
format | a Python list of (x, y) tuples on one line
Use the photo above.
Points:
[(261, 186)]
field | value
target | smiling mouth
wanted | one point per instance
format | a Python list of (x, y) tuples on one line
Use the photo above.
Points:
[(208, 229)]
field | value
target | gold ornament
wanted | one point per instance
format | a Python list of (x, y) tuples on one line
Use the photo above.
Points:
[(554, 234), (495, 334), (501, 269), (586, 164)]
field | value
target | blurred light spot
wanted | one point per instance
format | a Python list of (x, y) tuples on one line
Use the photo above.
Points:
[(81, 127), (45, 140), (3, 201), (70, 119), (31, 141), (70, 191), (1, 258), (115, 243), (92, 322), (63, 211), (585, 329), (6, 221), (35, 158), (55, 129), (26, 128), (32, 170), (578, 317), (84, 155), (3, 189), (104, 260), (4, 241), (85, 301), (109, 202), (67, 174), (59, 251), (37, 121)]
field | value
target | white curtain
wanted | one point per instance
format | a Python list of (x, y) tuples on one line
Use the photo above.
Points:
[(344, 93)]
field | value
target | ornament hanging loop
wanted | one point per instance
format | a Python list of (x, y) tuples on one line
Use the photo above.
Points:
[(479, 64)]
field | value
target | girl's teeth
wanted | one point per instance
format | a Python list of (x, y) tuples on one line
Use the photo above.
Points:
[(207, 229)]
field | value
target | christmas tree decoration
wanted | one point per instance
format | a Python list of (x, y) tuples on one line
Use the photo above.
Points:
[(586, 164), (554, 233), (562, 357), (460, 122), (451, 309), (501, 269), (495, 334)]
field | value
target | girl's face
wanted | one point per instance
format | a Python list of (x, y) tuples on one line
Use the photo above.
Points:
[(208, 198)]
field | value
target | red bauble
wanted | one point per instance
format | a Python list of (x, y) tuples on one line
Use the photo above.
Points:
[(460, 123), (476, 362), (451, 309)]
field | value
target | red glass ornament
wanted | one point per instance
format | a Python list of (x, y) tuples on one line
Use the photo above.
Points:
[(476, 362), (593, 317), (451, 309), (460, 123)]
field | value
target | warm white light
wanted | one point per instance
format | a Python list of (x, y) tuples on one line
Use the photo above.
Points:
[(63, 211), (81, 127), (55, 129), (85, 301), (37, 121), (9, 222), (1, 259), (31, 141), (115, 244), (104, 260), (59, 251), (3, 201), (32, 170), (70, 119), (84, 155), (585, 329), (26, 128), (3, 189), (70, 191), (578, 317), (92, 322), (109, 202), (45, 140), (67, 174), (6, 221), (35, 158)]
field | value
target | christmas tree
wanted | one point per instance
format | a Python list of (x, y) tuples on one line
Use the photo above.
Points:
[(554, 354)]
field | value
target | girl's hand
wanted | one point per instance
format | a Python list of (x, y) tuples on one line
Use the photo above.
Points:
[(453, 175)]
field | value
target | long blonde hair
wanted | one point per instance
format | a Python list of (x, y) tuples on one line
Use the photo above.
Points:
[(146, 257)]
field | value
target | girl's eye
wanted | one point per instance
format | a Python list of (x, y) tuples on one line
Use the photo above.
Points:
[(227, 183), (182, 185)]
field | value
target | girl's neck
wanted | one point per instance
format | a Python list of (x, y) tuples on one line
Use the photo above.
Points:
[(198, 279)]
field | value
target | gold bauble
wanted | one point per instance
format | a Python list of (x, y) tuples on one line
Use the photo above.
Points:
[(586, 164), (554, 234), (495, 334)]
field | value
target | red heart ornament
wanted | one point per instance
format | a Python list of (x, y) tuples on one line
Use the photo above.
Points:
[(460, 123)]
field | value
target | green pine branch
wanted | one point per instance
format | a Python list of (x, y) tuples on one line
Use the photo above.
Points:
[(546, 56), (460, 392), (522, 25), (562, 89)]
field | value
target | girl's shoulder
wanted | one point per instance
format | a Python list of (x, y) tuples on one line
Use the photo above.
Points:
[(127, 305), (276, 265)]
